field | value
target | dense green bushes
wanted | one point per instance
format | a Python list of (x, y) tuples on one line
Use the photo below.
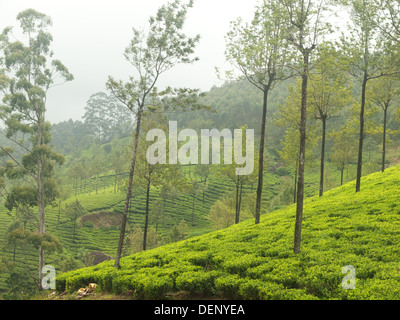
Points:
[(256, 262)]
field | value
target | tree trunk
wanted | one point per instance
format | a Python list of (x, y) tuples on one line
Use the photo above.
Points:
[(302, 157), (146, 223), (194, 199), (240, 200), (361, 142), (237, 201), (341, 175), (295, 182), (321, 182), (129, 192), (59, 211), (384, 137), (40, 200), (261, 157), (73, 232), (76, 186), (130, 206)]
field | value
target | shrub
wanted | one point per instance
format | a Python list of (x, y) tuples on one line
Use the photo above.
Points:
[(241, 263), (229, 285), (156, 287), (88, 224), (197, 282)]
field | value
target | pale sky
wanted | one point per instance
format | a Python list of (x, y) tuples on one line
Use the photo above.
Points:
[(91, 35)]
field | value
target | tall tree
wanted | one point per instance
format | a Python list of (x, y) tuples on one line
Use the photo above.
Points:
[(73, 212), (306, 25), (329, 93), (368, 56), (158, 174), (384, 91), (151, 54), (288, 118), (30, 73), (229, 171), (106, 118), (258, 51), (344, 150)]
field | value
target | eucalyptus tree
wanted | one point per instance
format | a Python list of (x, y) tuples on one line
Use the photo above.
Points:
[(289, 119), (29, 73), (384, 92), (306, 25), (370, 57), (73, 212), (152, 53), (258, 50), (329, 92), (106, 118), (344, 150), (229, 171), (150, 174)]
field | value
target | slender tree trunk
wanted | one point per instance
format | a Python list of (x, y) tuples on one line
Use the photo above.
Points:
[(237, 201), (302, 157), (261, 156), (40, 200), (384, 137), (129, 192), (341, 175), (76, 186), (130, 206), (146, 223), (321, 183), (164, 208), (295, 182), (59, 211), (240, 200), (361, 142), (194, 199), (73, 232)]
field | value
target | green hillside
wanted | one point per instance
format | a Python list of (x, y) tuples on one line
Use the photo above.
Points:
[(104, 238), (248, 261)]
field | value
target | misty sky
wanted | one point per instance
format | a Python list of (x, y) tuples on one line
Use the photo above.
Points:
[(90, 37)]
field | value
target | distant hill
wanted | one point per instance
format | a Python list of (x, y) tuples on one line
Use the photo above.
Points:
[(235, 104)]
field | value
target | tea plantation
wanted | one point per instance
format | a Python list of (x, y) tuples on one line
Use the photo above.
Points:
[(105, 238), (248, 261)]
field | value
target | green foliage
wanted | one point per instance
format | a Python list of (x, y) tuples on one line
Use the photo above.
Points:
[(20, 286), (106, 118), (249, 261)]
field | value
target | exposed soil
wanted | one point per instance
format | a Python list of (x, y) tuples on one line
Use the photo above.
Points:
[(103, 219)]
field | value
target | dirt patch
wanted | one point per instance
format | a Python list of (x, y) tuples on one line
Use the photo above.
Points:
[(99, 257), (102, 219)]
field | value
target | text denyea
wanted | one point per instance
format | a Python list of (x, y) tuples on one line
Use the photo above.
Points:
[(202, 309)]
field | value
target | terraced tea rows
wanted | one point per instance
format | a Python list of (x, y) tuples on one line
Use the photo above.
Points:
[(105, 239), (248, 261)]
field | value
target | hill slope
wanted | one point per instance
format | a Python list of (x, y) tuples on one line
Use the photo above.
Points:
[(250, 261), (105, 238)]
